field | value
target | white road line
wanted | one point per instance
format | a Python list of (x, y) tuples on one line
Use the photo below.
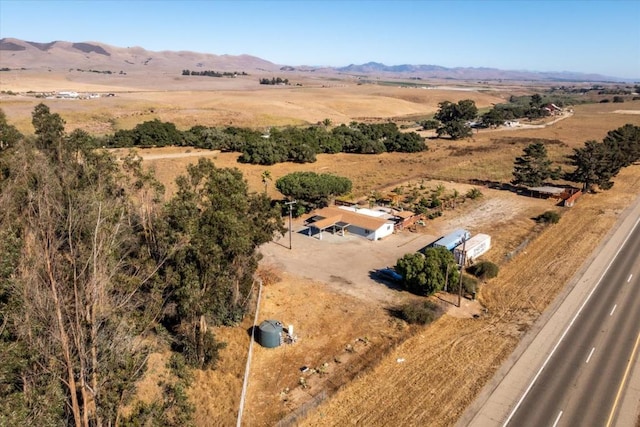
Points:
[(557, 419), (566, 331), (613, 309), (590, 354), (629, 279)]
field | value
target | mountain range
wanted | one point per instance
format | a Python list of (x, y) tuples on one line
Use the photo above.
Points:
[(63, 55)]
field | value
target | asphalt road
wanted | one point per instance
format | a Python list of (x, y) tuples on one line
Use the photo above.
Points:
[(579, 365), (581, 380)]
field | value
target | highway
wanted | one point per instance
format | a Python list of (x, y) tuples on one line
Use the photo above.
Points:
[(579, 365), (583, 380)]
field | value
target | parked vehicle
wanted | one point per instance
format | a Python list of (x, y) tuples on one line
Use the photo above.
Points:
[(390, 274)]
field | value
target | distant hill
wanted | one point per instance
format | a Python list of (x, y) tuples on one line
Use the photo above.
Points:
[(471, 73), (63, 56)]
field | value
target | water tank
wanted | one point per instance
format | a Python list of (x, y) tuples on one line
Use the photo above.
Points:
[(269, 333)]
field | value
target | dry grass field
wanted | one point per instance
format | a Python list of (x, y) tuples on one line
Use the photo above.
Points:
[(444, 364), (432, 354), (221, 102)]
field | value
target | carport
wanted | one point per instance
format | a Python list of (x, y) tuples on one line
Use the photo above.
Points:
[(324, 223)]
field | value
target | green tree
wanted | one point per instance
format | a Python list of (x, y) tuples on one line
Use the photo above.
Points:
[(533, 167), (454, 118), (9, 135), (49, 130), (266, 179), (624, 145), (424, 274), (456, 129), (536, 101), (217, 227), (494, 118), (311, 189), (593, 166), (81, 293)]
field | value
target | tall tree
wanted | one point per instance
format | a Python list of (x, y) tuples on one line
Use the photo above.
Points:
[(82, 293), (534, 167), (624, 145), (266, 179), (217, 226), (49, 130), (593, 166), (454, 116)]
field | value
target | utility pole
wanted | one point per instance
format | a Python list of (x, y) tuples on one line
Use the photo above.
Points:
[(446, 279), (290, 204), (462, 260)]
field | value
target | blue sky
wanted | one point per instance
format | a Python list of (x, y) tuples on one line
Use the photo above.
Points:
[(586, 36)]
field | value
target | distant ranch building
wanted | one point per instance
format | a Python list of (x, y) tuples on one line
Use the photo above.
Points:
[(68, 95)]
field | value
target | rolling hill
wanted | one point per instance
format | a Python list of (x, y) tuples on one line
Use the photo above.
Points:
[(63, 56)]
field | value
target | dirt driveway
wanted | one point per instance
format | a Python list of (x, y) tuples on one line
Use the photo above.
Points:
[(345, 263)]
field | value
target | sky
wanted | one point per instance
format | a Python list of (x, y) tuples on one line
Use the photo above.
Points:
[(589, 36)]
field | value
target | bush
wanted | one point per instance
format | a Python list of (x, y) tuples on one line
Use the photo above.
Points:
[(484, 270), (474, 193), (429, 124), (549, 217), (469, 285), (417, 312)]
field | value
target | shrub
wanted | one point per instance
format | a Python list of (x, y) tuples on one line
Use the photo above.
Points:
[(469, 285), (429, 124), (417, 312), (484, 270), (474, 193), (549, 217)]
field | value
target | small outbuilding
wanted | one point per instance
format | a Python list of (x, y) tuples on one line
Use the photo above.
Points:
[(453, 239), (472, 248)]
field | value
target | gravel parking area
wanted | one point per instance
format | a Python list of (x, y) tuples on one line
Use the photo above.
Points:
[(346, 263)]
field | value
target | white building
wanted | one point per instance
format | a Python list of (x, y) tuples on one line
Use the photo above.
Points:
[(473, 248), (351, 221)]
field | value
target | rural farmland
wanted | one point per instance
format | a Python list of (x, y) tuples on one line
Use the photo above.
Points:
[(365, 366)]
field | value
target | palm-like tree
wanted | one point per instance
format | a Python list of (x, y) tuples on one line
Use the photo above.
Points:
[(266, 179)]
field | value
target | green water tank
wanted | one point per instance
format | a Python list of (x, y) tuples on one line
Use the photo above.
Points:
[(269, 333)]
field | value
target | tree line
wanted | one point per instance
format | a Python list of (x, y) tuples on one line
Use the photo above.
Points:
[(99, 269), (212, 73), (289, 144), (274, 81), (456, 120), (596, 163)]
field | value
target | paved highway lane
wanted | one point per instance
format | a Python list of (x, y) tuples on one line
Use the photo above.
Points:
[(584, 337), (581, 382)]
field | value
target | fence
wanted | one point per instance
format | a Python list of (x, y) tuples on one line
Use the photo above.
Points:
[(301, 413)]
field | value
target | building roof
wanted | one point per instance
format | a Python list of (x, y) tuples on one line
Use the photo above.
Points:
[(332, 215), (547, 190), (404, 214)]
